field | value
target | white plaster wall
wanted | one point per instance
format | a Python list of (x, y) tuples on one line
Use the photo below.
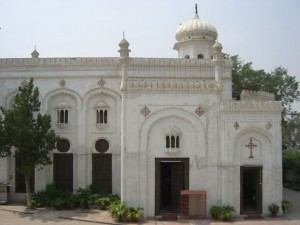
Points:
[(146, 141)]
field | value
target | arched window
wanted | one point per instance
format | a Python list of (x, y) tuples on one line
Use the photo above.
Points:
[(187, 57), (62, 113), (167, 141), (102, 109), (101, 116), (62, 116), (172, 139), (200, 56)]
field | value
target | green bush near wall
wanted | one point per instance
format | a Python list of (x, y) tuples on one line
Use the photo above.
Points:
[(291, 169)]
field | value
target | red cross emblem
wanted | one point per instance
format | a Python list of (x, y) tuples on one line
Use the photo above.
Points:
[(251, 146)]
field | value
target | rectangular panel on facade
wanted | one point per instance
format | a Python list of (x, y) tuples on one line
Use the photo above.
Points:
[(102, 173), (63, 171)]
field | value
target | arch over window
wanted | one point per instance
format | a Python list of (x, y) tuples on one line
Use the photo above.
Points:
[(102, 145), (63, 145)]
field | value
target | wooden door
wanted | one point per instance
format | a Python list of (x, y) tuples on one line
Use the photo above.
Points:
[(171, 176), (63, 171), (177, 184), (102, 173)]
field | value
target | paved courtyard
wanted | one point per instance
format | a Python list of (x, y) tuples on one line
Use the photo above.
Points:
[(16, 215)]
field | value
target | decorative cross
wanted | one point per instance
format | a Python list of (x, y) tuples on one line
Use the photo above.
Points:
[(236, 125), (251, 146), (101, 82), (62, 82), (199, 111), (145, 111)]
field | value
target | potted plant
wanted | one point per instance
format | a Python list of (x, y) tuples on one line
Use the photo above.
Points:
[(214, 212), (135, 214), (273, 209), (226, 212), (286, 205)]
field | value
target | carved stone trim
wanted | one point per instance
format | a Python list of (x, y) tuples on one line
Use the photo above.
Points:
[(251, 146), (251, 106), (101, 82), (269, 125), (62, 82), (199, 111), (145, 111), (23, 83), (173, 85), (236, 125)]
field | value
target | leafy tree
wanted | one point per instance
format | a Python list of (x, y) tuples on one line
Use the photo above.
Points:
[(278, 82), (29, 132)]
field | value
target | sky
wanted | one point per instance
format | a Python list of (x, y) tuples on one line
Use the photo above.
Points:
[(264, 32)]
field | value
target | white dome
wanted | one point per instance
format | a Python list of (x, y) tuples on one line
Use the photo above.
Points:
[(196, 29)]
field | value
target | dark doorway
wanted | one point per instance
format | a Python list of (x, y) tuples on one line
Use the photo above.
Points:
[(251, 190), (102, 173), (171, 176), (63, 171)]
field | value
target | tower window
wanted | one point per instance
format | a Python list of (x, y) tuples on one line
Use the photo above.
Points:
[(102, 110), (172, 141), (172, 134), (62, 114), (200, 56), (187, 57), (101, 116)]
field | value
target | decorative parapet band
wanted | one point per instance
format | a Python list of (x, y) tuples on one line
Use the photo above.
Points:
[(173, 85), (251, 106), (42, 62), (247, 95), (98, 61)]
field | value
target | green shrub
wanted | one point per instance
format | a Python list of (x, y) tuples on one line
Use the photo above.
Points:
[(135, 214), (118, 210), (273, 209), (84, 197), (227, 212), (104, 200), (214, 211), (43, 198)]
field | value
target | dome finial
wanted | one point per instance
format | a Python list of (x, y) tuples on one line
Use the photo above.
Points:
[(196, 9)]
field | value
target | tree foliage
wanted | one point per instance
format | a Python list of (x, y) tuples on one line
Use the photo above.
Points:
[(278, 82), (27, 132)]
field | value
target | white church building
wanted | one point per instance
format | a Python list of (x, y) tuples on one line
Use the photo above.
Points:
[(147, 128)]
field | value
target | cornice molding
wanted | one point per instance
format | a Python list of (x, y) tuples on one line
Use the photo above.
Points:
[(251, 106), (172, 85), (100, 61)]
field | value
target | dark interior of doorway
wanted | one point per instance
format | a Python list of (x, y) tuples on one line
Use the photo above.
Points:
[(165, 187), (171, 176), (251, 190)]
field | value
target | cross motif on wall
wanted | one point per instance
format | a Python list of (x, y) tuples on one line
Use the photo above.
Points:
[(251, 146)]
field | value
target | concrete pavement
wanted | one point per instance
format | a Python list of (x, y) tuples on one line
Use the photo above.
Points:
[(17, 215)]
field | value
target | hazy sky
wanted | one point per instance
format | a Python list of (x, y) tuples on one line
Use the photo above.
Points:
[(265, 32)]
